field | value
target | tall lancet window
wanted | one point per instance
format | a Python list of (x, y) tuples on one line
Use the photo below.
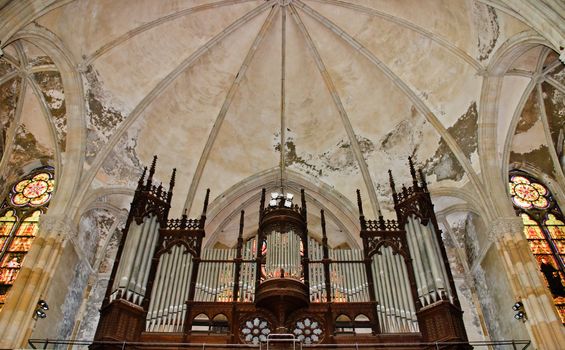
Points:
[(19, 220), (544, 229)]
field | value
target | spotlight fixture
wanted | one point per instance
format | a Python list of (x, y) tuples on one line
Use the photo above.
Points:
[(43, 304), (517, 306), (40, 313), (521, 313), (273, 203), (289, 196), (287, 204), (40, 309), (274, 195)]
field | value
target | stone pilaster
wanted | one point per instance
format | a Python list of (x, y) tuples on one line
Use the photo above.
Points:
[(543, 323), (16, 318)]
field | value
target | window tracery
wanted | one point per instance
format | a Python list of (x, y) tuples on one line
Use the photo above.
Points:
[(19, 223), (544, 228)]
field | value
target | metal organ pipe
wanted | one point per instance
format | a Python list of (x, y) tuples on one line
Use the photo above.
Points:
[(421, 282), (431, 275), (438, 259), (122, 274), (132, 290), (148, 252)]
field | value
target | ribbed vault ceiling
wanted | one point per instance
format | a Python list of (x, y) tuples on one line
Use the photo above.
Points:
[(349, 89)]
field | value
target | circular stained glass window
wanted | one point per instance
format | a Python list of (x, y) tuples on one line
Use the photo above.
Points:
[(35, 191), (527, 194), (255, 330), (308, 330)]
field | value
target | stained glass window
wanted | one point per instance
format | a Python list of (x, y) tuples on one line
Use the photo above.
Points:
[(545, 231), (19, 223)]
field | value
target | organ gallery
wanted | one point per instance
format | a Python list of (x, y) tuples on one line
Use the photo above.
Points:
[(281, 283)]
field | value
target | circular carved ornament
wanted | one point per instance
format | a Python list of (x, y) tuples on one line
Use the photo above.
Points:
[(255, 330), (308, 330)]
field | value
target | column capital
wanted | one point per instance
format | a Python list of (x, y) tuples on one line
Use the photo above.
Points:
[(501, 227), (60, 226)]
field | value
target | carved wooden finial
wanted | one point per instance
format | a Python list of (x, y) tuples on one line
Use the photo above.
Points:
[(391, 180), (241, 223), (359, 203), (206, 199), (323, 219), (172, 182), (413, 172), (151, 171), (140, 183)]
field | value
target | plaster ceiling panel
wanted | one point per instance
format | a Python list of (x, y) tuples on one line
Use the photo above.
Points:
[(146, 59), (511, 95), (435, 74), (529, 143), (110, 20), (528, 61), (9, 96), (316, 142), (185, 112), (33, 138), (34, 55), (247, 138), (447, 18)]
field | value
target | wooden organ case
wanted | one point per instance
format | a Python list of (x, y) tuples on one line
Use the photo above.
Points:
[(166, 288)]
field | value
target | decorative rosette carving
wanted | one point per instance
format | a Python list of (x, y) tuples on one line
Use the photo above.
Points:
[(308, 330), (255, 330)]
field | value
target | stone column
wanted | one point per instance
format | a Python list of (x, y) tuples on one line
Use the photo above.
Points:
[(16, 318), (543, 323)]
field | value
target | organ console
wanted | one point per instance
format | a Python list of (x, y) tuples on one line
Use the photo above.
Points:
[(164, 287)]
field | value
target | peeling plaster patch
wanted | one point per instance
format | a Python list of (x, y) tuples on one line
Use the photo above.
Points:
[(530, 114), (73, 300), (27, 148), (559, 74), (41, 61), (338, 159), (110, 252), (104, 115), (554, 101), (122, 165), (464, 131), (8, 101), (51, 87), (485, 21), (91, 314), (94, 227), (5, 67), (488, 304), (444, 164), (539, 157)]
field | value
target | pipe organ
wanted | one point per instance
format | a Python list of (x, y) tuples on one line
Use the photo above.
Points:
[(165, 287)]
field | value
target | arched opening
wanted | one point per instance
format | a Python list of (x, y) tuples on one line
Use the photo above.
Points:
[(343, 325), (200, 324), (219, 324), (362, 325)]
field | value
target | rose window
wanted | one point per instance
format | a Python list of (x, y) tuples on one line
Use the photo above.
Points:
[(527, 194), (35, 191), (308, 330), (255, 330)]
